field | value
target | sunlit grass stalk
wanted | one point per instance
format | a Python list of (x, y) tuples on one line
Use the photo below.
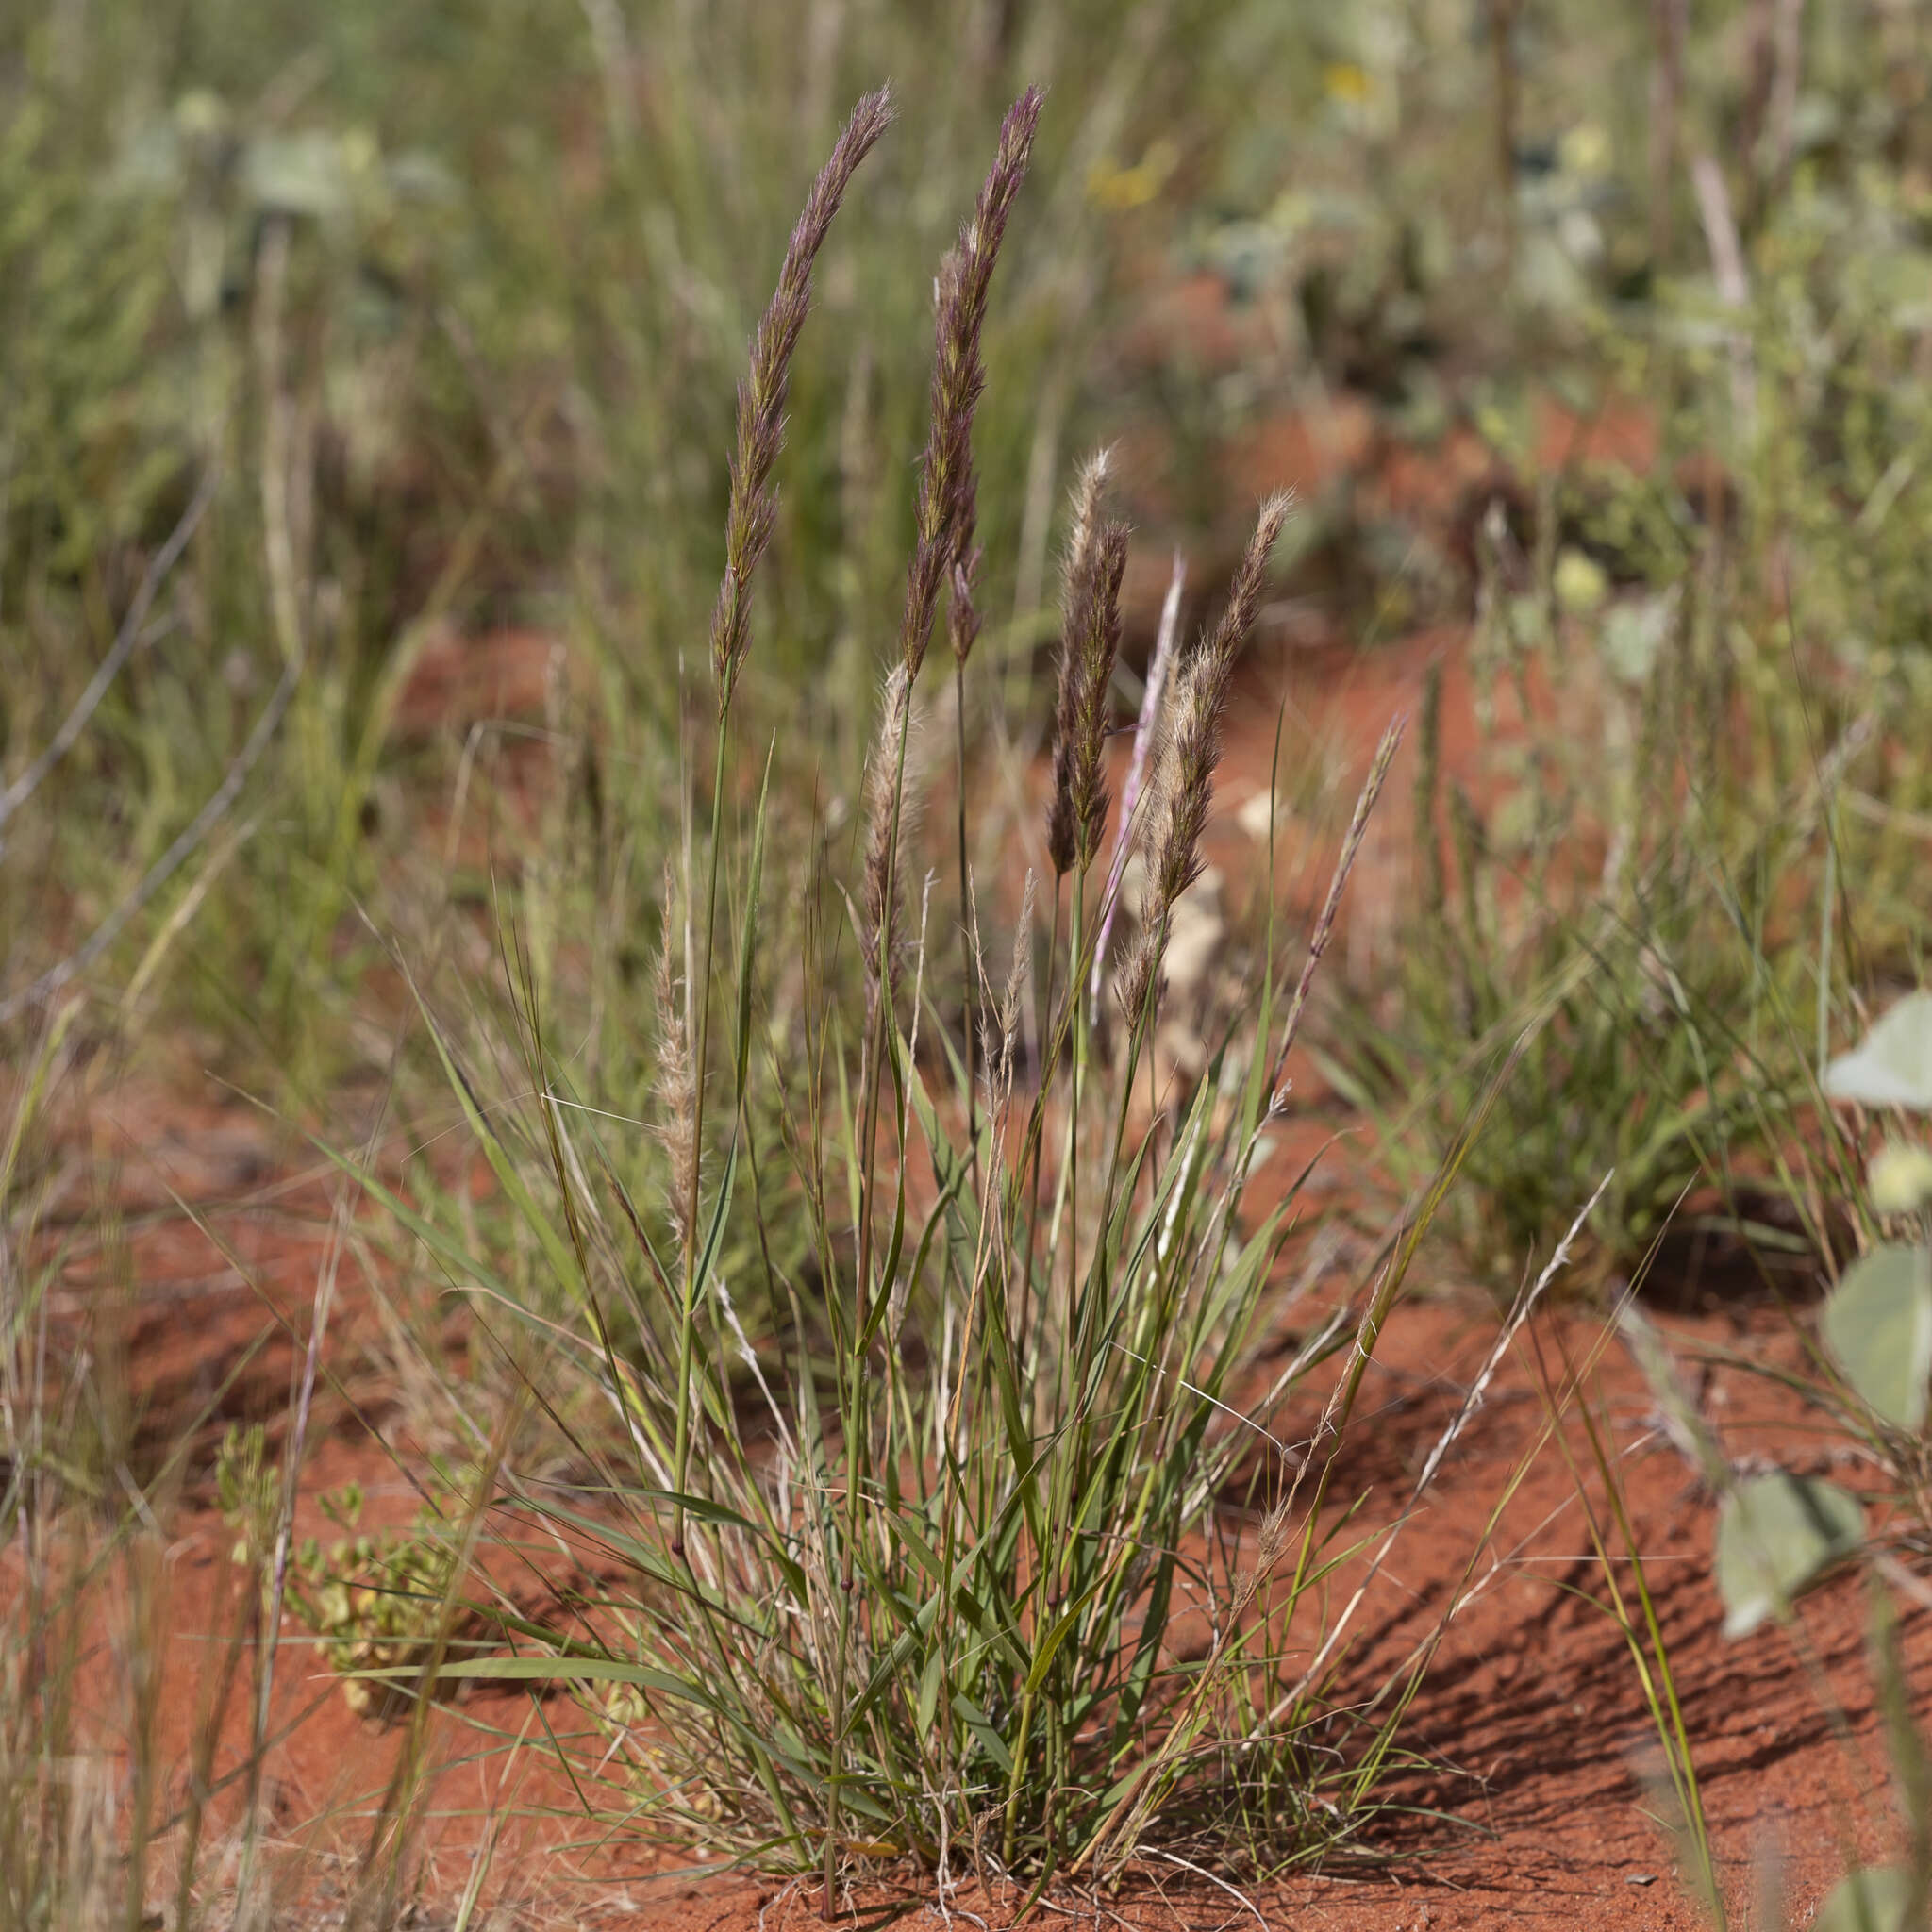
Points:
[(1075, 698), (945, 517), (748, 529)]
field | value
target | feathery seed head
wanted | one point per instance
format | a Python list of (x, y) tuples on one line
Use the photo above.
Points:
[(1090, 493), (1250, 580), (1078, 814), (1183, 787), (1081, 595), (885, 827), (1273, 1544), (761, 395), (946, 485)]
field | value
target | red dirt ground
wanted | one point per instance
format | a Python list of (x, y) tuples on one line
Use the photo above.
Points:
[(1530, 1717)]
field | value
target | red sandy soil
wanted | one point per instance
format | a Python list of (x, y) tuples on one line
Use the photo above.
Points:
[(1530, 1715), (1530, 1719)]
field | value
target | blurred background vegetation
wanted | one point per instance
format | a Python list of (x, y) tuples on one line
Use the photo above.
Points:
[(441, 309)]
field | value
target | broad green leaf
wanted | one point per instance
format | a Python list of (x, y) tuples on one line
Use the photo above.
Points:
[(1050, 1643), (1878, 1327), (1777, 1535), (1894, 1067), (985, 1730), (1876, 1898)]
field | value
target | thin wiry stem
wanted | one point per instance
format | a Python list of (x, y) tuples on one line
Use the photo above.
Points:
[(1345, 864), (748, 529), (962, 626)]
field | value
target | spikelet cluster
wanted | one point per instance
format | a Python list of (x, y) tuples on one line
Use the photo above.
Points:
[(1090, 642), (1183, 788), (761, 394), (946, 502), (886, 830)]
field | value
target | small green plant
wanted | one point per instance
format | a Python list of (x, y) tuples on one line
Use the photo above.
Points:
[(1601, 924), (377, 1602), (1780, 1532), (1777, 1535)]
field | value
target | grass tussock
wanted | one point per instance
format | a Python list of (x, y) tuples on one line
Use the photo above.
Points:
[(1001, 1578)]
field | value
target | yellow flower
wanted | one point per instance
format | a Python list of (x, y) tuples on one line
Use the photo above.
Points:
[(1580, 583), (1129, 188), (1900, 1180), (1344, 81), (1585, 149)]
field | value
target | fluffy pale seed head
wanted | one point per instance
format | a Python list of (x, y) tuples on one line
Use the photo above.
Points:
[(887, 823), (1182, 792), (1097, 643), (1083, 597), (676, 1078), (1250, 580), (1090, 494)]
